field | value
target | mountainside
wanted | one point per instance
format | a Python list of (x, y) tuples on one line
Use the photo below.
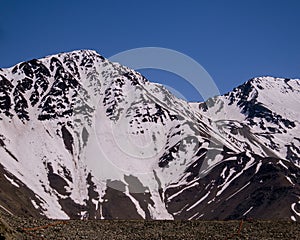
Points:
[(82, 137)]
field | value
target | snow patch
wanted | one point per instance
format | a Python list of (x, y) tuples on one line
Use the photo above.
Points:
[(282, 164), (290, 180), (248, 211), (238, 191), (11, 181), (294, 210), (199, 201), (34, 204), (182, 190)]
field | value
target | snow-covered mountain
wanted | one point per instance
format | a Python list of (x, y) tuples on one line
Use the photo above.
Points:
[(82, 137)]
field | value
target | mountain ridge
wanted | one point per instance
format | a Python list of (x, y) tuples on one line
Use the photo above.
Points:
[(103, 142)]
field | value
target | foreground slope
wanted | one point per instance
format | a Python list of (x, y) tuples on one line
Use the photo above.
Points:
[(82, 137)]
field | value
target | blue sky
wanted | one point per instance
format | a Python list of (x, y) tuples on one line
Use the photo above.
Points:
[(232, 40)]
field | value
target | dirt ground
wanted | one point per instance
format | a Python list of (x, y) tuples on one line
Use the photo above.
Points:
[(12, 227)]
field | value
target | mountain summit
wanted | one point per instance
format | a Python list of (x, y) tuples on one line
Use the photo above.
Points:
[(82, 137)]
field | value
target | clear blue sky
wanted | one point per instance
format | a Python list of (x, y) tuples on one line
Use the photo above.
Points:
[(232, 40)]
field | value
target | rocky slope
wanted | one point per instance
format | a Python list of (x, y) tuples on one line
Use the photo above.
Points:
[(82, 137)]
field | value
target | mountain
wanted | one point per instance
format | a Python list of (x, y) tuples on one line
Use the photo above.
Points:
[(82, 137)]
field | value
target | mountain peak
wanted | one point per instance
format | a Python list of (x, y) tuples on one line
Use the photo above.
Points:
[(273, 82), (84, 52)]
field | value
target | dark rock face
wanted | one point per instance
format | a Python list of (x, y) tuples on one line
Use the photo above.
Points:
[(263, 193), (116, 205), (68, 139), (232, 157), (5, 101), (16, 199)]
